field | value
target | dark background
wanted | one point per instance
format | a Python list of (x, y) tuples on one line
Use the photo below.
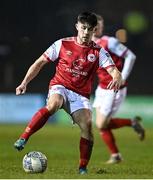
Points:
[(29, 27)]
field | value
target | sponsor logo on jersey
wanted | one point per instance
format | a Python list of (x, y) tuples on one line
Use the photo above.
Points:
[(78, 63), (91, 57), (69, 53), (77, 68), (76, 72)]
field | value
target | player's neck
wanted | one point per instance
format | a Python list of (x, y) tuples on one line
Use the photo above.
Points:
[(78, 40)]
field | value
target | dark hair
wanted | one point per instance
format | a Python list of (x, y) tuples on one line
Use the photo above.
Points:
[(99, 17), (88, 17)]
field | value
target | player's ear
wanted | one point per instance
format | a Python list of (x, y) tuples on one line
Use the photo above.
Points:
[(95, 29), (76, 26)]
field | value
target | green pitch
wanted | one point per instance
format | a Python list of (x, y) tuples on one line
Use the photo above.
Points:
[(61, 146)]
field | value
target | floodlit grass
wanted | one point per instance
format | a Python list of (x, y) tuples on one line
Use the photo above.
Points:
[(61, 146)]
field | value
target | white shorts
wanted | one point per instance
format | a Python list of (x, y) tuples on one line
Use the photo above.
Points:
[(72, 100), (109, 101)]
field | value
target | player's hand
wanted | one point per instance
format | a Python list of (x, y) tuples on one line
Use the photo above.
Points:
[(123, 82), (21, 89), (115, 84)]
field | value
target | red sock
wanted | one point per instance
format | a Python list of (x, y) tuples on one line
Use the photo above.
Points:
[(109, 140), (85, 152), (119, 122), (38, 120)]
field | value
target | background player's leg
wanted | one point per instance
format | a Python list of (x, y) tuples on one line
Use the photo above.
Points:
[(107, 136)]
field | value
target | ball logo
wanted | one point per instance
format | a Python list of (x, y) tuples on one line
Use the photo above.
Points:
[(91, 57)]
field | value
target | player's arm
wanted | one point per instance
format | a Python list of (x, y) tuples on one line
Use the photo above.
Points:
[(51, 54), (122, 51), (32, 72), (105, 61), (128, 64), (116, 78)]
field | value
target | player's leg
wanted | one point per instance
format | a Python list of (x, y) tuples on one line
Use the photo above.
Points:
[(107, 136), (138, 127), (79, 108), (119, 98), (104, 102), (55, 101), (83, 118), (109, 106), (116, 122)]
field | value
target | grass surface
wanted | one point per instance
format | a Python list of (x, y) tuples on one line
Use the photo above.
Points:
[(61, 146)]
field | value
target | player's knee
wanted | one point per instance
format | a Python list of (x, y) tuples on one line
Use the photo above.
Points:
[(101, 123), (86, 126), (86, 131), (53, 106)]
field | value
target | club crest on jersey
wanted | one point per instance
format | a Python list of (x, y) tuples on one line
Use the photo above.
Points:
[(91, 57)]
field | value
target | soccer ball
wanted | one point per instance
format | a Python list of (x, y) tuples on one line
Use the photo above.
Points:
[(34, 162)]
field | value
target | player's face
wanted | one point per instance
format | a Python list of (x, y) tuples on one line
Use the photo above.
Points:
[(99, 29), (85, 32)]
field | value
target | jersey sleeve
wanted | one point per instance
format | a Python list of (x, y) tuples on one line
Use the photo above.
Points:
[(105, 59), (130, 58), (52, 52), (116, 47)]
